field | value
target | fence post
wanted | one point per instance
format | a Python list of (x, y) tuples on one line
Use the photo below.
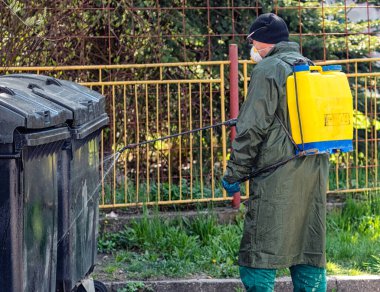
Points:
[(234, 101)]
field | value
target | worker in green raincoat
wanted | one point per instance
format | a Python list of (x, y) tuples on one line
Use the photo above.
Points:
[(285, 221)]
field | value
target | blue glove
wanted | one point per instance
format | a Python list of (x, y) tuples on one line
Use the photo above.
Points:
[(231, 188)]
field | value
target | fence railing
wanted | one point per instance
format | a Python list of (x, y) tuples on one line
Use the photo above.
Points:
[(179, 170), (149, 101)]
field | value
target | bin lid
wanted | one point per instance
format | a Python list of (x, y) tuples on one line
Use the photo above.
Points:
[(27, 110), (85, 104)]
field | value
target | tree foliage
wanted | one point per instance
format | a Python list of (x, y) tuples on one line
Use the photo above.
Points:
[(67, 32)]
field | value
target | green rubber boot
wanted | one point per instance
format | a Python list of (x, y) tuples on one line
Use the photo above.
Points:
[(257, 280), (308, 278)]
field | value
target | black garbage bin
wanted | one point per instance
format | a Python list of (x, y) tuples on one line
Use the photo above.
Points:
[(78, 185), (32, 133)]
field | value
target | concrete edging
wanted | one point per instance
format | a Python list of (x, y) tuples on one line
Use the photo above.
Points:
[(370, 283)]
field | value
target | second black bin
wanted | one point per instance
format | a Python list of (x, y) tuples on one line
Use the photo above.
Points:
[(78, 178), (32, 134)]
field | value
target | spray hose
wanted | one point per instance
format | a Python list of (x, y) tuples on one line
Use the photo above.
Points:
[(228, 123), (299, 153), (278, 164)]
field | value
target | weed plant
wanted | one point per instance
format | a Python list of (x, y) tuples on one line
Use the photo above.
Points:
[(154, 247)]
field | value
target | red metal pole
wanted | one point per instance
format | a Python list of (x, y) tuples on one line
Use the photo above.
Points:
[(234, 102)]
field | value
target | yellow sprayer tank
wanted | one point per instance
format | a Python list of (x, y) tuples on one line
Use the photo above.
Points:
[(320, 110)]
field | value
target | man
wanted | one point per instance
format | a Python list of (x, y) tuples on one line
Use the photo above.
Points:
[(285, 221)]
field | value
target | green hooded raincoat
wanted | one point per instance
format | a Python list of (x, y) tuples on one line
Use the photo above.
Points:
[(285, 219)]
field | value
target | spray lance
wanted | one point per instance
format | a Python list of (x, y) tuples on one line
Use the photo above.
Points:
[(228, 123)]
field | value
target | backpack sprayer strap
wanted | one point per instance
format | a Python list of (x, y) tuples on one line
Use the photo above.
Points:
[(298, 62), (292, 65), (287, 133)]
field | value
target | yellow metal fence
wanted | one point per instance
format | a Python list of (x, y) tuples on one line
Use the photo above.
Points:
[(149, 101)]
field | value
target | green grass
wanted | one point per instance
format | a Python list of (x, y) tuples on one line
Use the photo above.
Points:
[(353, 237), (155, 248)]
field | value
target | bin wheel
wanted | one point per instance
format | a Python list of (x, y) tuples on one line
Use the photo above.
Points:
[(99, 287)]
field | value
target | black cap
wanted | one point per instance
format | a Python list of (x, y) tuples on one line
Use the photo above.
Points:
[(268, 28)]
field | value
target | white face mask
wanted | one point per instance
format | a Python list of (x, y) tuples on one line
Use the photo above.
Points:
[(255, 56)]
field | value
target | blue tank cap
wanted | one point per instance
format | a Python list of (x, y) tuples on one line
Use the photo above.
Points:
[(299, 68), (332, 68)]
